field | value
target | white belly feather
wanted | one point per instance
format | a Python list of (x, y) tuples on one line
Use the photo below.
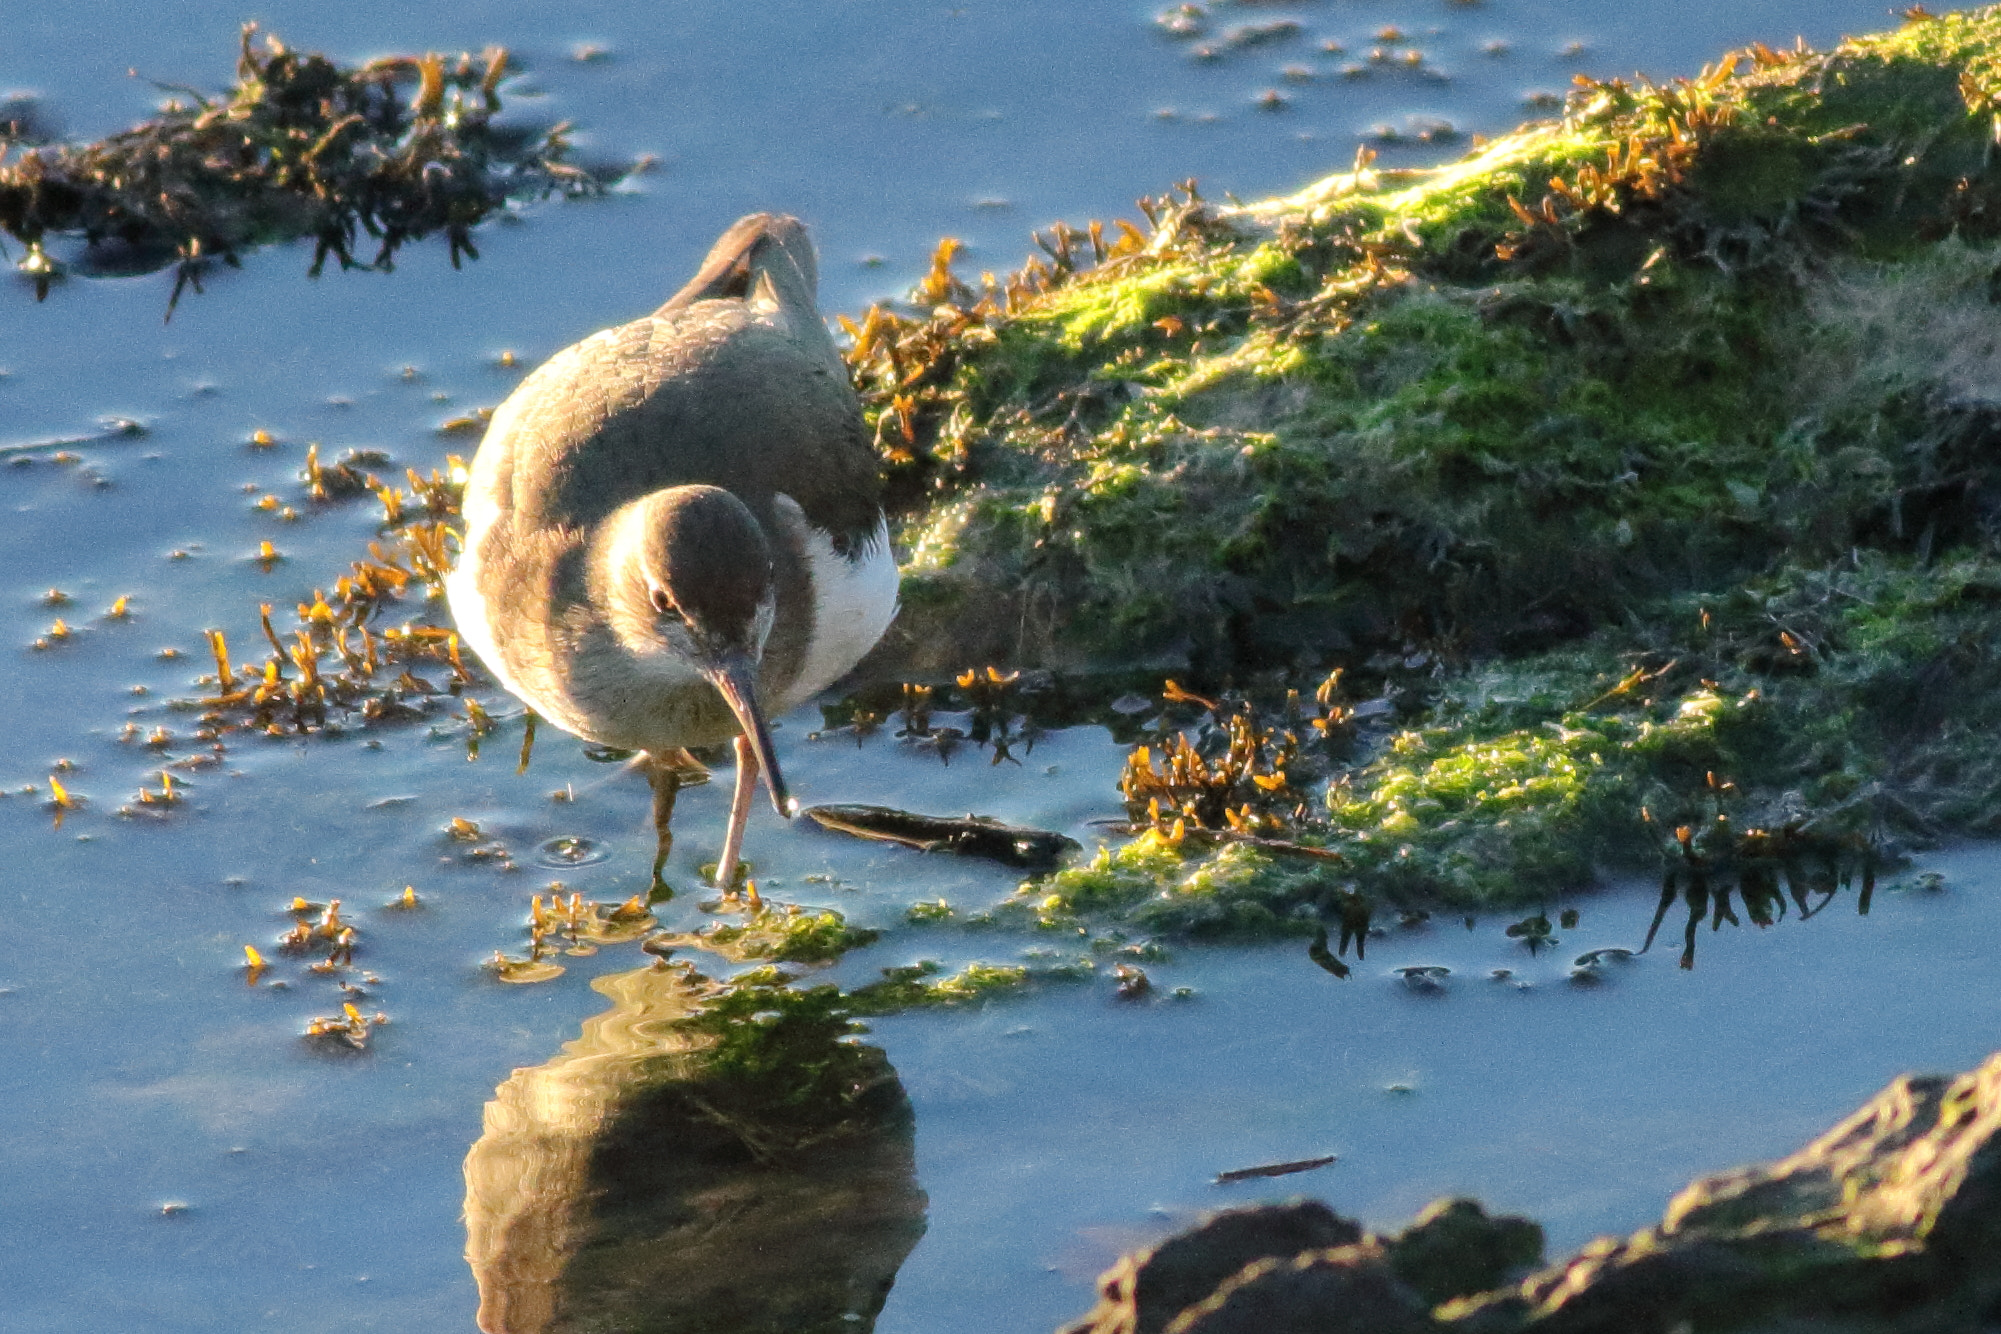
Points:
[(853, 602)]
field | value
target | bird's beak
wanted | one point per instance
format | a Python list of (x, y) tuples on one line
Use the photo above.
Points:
[(735, 679)]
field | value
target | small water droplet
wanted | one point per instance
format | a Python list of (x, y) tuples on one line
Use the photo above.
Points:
[(570, 850)]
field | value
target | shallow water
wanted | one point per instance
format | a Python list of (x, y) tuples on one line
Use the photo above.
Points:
[(139, 1071), (1583, 1106), (889, 123)]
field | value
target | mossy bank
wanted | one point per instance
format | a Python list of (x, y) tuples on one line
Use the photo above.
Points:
[(1644, 462), (1620, 496)]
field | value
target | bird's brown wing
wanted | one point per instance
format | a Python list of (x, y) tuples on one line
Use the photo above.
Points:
[(712, 396)]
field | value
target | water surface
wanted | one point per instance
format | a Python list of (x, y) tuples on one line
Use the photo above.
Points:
[(180, 1161)]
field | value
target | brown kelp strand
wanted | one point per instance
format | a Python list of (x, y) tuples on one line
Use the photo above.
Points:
[(968, 836), (350, 1028), (996, 704), (356, 158), (1807, 860), (907, 360), (343, 660), (570, 925), (1235, 776), (321, 933), (318, 926), (347, 477)]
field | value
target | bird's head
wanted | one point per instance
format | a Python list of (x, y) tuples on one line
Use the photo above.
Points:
[(691, 571)]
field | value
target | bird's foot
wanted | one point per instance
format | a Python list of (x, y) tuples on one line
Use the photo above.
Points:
[(737, 895)]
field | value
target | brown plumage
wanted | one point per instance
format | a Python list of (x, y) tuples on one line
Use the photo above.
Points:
[(675, 526)]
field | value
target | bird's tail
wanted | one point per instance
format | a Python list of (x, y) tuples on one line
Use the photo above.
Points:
[(731, 267)]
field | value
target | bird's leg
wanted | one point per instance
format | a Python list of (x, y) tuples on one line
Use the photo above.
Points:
[(740, 799), (665, 778)]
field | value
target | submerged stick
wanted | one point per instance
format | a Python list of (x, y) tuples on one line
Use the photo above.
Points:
[(969, 836), (1274, 1169)]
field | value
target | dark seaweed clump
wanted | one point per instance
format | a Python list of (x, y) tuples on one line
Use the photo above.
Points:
[(354, 158)]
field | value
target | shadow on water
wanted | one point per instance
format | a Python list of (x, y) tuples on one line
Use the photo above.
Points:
[(704, 1157)]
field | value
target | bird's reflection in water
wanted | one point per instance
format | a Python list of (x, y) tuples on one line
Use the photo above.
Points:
[(713, 1158)]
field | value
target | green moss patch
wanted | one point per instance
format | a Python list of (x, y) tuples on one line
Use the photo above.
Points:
[(1498, 403), (1801, 728), (780, 933), (1664, 435), (926, 985)]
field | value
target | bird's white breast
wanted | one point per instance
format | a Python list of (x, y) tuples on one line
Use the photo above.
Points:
[(469, 609), (853, 601)]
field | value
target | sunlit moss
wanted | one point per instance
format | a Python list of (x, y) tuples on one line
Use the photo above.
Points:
[(1826, 715), (926, 985), (782, 934), (1523, 815), (929, 910), (1113, 880), (1506, 399), (1185, 887)]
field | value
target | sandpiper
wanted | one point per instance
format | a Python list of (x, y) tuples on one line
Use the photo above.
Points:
[(674, 528)]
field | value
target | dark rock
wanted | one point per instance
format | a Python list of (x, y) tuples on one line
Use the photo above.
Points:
[(1454, 1250), (1345, 1290), (1146, 1290), (1890, 1223)]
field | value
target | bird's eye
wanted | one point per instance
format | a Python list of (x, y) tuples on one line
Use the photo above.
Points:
[(665, 606)]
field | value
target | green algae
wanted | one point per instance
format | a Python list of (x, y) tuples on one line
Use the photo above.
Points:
[(1498, 403), (926, 985), (782, 934), (1665, 430), (1808, 723), (1159, 886)]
